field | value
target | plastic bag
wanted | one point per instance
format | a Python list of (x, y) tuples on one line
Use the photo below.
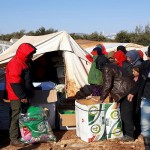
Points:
[(34, 126)]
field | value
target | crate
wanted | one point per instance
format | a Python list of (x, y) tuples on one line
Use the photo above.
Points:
[(66, 119)]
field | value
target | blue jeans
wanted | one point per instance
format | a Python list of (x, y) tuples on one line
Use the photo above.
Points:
[(145, 117)]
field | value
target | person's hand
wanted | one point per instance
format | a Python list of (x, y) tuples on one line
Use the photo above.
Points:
[(24, 100), (100, 101), (130, 97)]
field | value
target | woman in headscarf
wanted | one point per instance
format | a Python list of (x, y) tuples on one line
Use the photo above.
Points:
[(121, 60), (133, 57), (95, 75), (122, 48)]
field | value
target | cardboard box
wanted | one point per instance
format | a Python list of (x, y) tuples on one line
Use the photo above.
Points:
[(40, 96), (67, 120), (96, 122), (44, 96)]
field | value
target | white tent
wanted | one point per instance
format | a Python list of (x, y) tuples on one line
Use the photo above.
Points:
[(113, 46), (76, 64)]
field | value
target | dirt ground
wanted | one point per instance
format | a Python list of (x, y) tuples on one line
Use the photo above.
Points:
[(87, 43), (67, 140)]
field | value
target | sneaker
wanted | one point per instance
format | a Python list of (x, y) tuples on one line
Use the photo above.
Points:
[(127, 138), (17, 143)]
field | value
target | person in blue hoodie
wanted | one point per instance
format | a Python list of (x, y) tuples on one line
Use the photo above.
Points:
[(133, 57)]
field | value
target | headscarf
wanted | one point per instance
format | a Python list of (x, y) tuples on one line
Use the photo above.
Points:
[(140, 53), (120, 56), (103, 49), (135, 57), (97, 50), (122, 48)]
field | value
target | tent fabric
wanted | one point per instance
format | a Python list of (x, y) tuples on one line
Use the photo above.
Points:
[(46, 43), (113, 46), (76, 64), (76, 73)]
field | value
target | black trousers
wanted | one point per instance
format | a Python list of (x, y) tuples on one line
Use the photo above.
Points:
[(126, 111)]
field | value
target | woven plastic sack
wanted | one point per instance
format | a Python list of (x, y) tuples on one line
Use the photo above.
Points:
[(34, 126)]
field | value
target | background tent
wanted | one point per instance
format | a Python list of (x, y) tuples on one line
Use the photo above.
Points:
[(113, 46), (76, 64)]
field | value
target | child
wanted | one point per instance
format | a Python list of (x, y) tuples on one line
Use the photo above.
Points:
[(135, 71)]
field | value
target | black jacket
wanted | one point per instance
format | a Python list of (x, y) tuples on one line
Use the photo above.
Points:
[(142, 86), (116, 82), (128, 68)]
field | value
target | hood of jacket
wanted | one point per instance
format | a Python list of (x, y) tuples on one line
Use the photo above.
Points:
[(24, 50)]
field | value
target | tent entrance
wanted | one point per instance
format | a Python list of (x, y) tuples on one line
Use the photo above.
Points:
[(49, 67)]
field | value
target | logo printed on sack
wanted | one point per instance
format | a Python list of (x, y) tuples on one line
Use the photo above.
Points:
[(114, 114), (91, 139), (93, 110), (41, 127), (117, 131), (95, 128), (25, 131)]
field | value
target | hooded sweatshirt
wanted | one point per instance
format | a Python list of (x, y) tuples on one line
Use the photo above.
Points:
[(18, 79), (135, 57)]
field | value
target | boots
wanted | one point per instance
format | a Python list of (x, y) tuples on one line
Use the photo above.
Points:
[(147, 143)]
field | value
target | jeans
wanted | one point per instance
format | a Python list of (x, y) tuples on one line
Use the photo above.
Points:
[(145, 117)]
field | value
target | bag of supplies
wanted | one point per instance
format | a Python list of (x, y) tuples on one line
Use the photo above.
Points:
[(34, 126)]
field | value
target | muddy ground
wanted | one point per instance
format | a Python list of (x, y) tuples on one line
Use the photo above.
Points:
[(67, 140)]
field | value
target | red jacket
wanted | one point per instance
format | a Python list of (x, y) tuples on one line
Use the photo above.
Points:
[(18, 79)]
